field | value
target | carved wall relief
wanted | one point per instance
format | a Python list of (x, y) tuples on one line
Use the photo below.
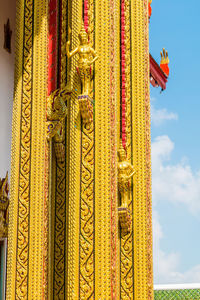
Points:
[(56, 114)]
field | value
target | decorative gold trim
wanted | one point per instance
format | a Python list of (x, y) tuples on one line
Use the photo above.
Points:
[(37, 265), (87, 254), (15, 153), (58, 162), (149, 233), (114, 96), (74, 138), (86, 108), (87, 192), (25, 276), (126, 250), (102, 152), (143, 285), (23, 212)]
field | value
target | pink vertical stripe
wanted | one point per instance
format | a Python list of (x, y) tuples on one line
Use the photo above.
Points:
[(52, 51), (86, 17), (123, 77)]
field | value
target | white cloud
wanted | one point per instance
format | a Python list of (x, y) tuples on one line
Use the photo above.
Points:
[(167, 265), (176, 183), (158, 116), (173, 182)]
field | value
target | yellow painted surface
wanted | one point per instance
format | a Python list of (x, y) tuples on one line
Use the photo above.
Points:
[(113, 276)]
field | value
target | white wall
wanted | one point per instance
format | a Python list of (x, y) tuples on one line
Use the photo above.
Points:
[(7, 10)]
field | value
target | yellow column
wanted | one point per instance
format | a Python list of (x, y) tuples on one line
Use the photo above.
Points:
[(73, 140), (26, 245), (107, 90), (102, 152), (143, 273)]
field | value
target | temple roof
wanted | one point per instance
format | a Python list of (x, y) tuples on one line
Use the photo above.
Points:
[(157, 76)]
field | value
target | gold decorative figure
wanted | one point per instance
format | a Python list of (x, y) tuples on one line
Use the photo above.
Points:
[(125, 172), (56, 114), (87, 56), (4, 202)]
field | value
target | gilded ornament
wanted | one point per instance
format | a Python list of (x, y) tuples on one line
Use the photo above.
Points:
[(4, 202), (87, 56), (56, 114), (125, 172), (86, 108)]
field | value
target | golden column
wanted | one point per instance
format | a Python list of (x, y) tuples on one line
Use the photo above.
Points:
[(27, 217), (80, 222)]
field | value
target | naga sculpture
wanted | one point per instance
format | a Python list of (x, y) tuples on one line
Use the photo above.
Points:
[(87, 56), (56, 114)]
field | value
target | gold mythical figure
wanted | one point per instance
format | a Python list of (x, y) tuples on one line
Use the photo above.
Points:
[(125, 172), (87, 56)]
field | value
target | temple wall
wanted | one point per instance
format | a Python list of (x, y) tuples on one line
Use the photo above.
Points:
[(6, 86)]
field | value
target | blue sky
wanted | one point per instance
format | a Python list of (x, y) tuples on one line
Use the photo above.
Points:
[(175, 25)]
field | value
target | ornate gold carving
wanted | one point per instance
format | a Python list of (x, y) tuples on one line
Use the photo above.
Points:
[(26, 215), (60, 231), (86, 108), (87, 195), (148, 240), (143, 283), (125, 172), (56, 113), (103, 270), (87, 56), (86, 258), (106, 187), (126, 216), (4, 202), (114, 95), (59, 289), (125, 220), (25, 154), (73, 159)]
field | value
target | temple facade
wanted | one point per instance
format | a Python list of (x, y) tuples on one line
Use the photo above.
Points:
[(80, 216), (80, 184)]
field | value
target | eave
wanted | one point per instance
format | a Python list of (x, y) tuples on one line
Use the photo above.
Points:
[(157, 76)]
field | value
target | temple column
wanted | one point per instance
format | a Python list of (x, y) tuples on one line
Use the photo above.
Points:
[(27, 247)]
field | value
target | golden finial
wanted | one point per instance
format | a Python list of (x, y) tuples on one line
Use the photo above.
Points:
[(164, 57), (164, 61)]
